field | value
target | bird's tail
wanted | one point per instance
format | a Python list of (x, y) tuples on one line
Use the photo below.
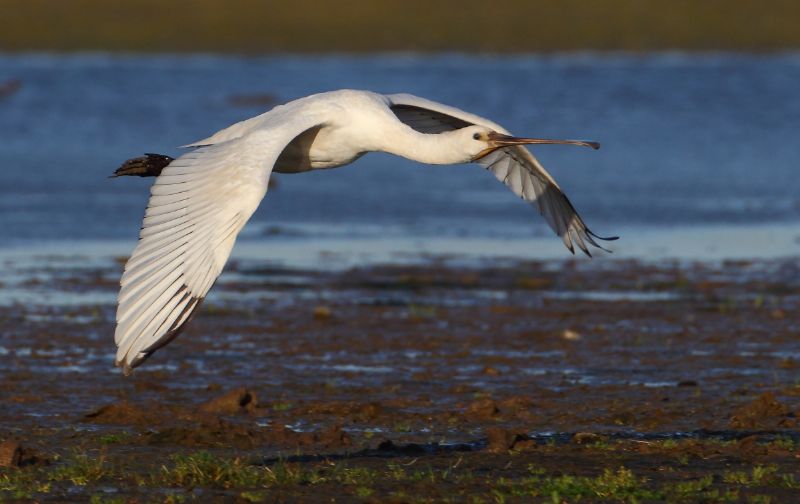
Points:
[(149, 165)]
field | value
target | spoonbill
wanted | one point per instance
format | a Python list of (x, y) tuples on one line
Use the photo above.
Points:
[(201, 200)]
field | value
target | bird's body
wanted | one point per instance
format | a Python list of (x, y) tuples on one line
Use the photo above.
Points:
[(201, 200), (351, 123)]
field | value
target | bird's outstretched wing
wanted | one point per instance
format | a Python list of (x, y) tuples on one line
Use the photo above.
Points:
[(514, 166), (197, 207)]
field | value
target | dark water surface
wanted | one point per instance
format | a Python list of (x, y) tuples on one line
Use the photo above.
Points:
[(688, 141)]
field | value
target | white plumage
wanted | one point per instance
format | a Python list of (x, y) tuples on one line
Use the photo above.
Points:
[(201, 200)]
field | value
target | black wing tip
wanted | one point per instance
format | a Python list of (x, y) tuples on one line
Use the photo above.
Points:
[(149, 165), (191, 307), (127, 368), (604, 238), (590, 237), (177, 327)]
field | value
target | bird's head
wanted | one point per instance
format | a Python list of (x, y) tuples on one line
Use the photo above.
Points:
[(480, 141)]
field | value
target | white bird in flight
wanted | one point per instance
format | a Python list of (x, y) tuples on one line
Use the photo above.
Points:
[(201, 200)]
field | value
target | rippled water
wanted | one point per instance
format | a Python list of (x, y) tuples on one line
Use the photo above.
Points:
[(688, 142)]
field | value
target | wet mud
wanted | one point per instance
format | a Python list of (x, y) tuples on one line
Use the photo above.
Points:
[(510, 381)]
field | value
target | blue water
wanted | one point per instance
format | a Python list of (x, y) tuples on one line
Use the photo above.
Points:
[(688, 141)]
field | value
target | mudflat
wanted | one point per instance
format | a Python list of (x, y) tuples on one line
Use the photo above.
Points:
[(486, 382)]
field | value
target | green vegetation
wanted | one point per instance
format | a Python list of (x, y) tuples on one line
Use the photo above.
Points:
[(116, 438), (415, 25), (620, 485), (105, 499), (22, 484), (786, 443), (282, 406), (206, 470), (402, 427), (203, 469), (80, 469), (413, 481), (762, 476)]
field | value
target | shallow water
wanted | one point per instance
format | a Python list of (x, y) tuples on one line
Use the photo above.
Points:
[(690, 143)]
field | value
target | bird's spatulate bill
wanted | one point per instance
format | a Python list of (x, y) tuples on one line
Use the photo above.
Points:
[(503, 140)]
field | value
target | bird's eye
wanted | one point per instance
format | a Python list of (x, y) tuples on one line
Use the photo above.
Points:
[(476, 136)]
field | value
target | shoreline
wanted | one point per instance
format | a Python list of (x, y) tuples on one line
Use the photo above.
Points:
[(402, 54), (364, 246), (75, 274)]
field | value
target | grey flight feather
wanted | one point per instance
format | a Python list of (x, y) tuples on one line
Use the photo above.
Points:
[(514, 166)]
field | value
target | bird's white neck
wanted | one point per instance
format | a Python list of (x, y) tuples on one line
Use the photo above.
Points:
[(437, 148)]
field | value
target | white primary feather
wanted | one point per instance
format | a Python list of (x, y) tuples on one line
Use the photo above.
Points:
[(197, 207)]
